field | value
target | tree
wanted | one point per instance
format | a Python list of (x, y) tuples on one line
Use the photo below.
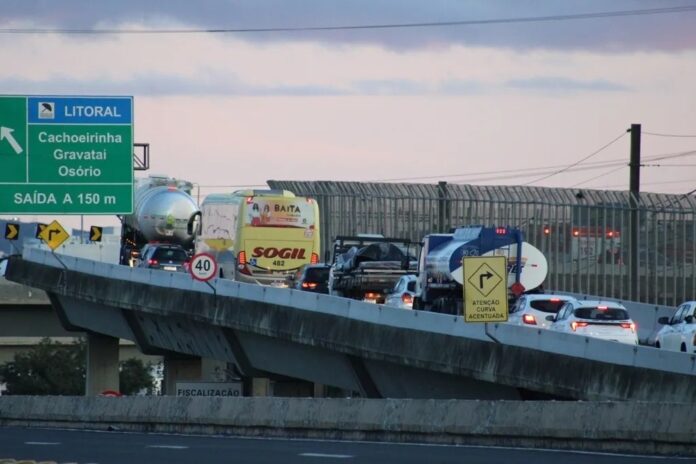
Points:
[(52, 368), (135, 377)]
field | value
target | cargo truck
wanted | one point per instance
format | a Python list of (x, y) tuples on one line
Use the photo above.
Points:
[(366, 267)]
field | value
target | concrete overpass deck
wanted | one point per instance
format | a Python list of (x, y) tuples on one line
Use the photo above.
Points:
[(378, 351)]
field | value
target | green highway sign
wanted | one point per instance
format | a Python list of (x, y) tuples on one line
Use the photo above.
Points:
[(66, 155)]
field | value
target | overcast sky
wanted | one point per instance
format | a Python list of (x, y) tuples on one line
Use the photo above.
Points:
[(525, 91)]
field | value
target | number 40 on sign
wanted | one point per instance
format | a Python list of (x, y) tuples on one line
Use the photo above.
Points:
[(203, 267)]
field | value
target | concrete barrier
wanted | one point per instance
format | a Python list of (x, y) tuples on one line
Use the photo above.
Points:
[(627, 427)]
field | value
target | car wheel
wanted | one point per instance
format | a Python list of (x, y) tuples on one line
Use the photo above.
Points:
[(683, 347), (657, 345)]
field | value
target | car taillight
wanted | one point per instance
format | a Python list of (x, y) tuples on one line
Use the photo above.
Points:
[(371, 296), (575, 324), (529, 319), (152, 262), (310, 285), (628, 325), (407, 298), (314, 258)]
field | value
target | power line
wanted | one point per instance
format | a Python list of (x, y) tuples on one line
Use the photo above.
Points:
[(233, 186), (668, 135), (597, 177), (577, 162), (537, 170), (476, 22)]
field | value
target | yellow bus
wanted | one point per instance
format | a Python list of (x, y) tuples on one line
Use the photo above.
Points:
[(259, 236)]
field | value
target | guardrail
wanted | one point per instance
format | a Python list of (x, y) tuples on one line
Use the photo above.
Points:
[(626, 427)]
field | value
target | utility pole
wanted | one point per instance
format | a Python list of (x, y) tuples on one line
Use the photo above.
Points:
[(634, 198)]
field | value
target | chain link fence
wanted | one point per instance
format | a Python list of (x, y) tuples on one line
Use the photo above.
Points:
[(596, 242)]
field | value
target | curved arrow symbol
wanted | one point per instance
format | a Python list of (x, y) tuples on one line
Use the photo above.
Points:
[(487, 275), (6, 133)]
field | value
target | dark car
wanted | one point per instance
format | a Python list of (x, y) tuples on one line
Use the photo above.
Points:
[(167, 257), (313, 278)]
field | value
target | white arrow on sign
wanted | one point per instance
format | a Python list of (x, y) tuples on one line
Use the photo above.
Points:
[(6, 133)]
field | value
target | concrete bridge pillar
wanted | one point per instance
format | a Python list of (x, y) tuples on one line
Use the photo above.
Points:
[(102, 364)]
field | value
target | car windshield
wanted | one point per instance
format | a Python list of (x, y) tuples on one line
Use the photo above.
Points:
[(318, 274), (602, 313), (547, 306), (170, 254)]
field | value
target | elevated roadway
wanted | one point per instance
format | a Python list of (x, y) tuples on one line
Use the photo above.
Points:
[(376, 350)]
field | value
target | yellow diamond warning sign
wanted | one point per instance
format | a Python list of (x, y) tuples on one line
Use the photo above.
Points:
[(485, 289), (54, 235)]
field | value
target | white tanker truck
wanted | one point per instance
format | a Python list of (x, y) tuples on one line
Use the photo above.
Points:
[(162, 209), (440, 273)]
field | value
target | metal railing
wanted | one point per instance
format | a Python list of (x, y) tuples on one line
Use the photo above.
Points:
[(584, 234)]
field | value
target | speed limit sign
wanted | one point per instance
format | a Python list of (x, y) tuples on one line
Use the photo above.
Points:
[(203, 267)]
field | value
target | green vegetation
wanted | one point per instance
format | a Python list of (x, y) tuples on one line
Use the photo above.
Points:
[(52, 368)]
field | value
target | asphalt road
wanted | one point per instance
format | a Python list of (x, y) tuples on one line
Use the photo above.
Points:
[(85, 447)]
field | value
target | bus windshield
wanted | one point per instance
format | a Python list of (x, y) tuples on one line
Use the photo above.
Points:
[(279, 212)]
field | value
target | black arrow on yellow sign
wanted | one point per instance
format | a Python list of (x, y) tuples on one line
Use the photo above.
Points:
[(39, 228), (52, 232), (11, 231), (95, 233)]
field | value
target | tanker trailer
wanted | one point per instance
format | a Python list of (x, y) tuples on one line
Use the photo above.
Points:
[(162, 209), (440, 273)]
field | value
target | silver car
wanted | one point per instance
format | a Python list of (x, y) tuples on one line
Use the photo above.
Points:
[(403, 293)]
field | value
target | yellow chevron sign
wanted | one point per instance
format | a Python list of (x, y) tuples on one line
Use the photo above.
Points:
[(95, 233), (11, 231), (40, 228)]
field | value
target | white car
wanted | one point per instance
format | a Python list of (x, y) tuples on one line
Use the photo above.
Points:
[(679, 331), (532, 309), (596, 318), (403, 293)]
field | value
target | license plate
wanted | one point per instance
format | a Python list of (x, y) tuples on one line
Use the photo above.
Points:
[(170, 268)]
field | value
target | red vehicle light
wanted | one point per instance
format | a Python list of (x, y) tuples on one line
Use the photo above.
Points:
[(152, 262), (529, 319), (371, 296), (500, 230), (602, 308), (547, 231), (555, 300), (314, 258), (249, 200), (310, 285), (629, 325), (576, 233), (575, 324), (407, 298), (241, 258)]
